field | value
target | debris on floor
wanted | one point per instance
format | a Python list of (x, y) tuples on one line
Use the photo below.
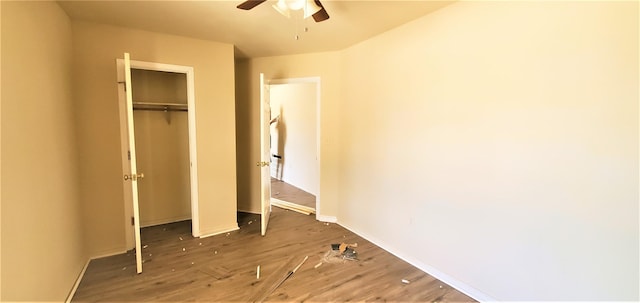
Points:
[(258, 273), (341, 252), (145, 246), (180, 238), (405, 281), (250, 222), (263, 294), (305, 210), (318, 265)]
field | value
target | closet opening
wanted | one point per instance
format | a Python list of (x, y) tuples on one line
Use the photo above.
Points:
[(165, 147), (162, 146)]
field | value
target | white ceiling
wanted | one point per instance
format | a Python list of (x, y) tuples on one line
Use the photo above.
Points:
[(261, 31)]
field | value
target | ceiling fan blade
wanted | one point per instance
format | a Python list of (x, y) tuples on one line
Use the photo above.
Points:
[(322, 14), (249, 4)]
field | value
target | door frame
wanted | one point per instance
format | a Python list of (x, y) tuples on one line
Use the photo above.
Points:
[(191, 117), (317, 82)]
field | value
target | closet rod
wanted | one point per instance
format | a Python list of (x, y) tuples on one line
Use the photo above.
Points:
[(160, 106)]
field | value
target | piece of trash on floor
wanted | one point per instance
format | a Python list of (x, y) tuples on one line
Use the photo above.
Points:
[(124, 268), (318, 265), (405, 281), (228, 234), (250, 222), (440, 286), (193, 263), (341, 252), (326, 223), (215, 252), (184, 249), (200, 243), (145, 246), (180, 238), (258, 273), (150, 255), (279, 282)]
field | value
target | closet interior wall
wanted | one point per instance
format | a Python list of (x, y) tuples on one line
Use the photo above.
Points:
[(162, 146)]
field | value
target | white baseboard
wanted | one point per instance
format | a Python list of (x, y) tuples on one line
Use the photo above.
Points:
[(108, 254), (455, 283), (78, 280), (220, 232), (330, 219), (249, 211), (164, 221)]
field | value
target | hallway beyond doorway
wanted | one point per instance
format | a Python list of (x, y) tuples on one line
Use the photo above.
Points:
[(287, 192)]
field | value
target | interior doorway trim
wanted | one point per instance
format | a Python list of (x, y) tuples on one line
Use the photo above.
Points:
[(317, 82), (191, 117)]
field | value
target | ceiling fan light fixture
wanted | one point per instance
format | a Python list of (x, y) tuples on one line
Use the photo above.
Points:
[(282, 8), (311, 8), (296, 4)]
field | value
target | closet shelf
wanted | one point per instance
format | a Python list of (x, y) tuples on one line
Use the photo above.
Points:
[(160, 106)]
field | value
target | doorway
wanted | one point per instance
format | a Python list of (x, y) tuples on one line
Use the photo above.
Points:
[(295, 140), (164, 115)]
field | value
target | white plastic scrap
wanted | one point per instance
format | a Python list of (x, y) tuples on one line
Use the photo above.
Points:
[(180, 238), (145, 246), (405, 281)]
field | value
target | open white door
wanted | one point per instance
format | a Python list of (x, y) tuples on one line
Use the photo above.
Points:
[(134, 176), (265, 157)]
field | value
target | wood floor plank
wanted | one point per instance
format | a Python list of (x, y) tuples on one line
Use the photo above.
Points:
[(222, 268), (290, 193)]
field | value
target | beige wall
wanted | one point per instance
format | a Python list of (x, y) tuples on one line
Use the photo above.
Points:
[(323, 65), (505, 143), (42, 231), (294, 136), (96, 48), (493, 144), (162, 148)]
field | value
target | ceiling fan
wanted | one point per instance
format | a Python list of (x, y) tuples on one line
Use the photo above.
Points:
[(311, 7)]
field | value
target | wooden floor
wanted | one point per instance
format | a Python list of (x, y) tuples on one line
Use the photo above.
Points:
[(178, 267), (290, 193)]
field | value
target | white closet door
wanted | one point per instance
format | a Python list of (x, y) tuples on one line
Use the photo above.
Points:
[(134, 176)]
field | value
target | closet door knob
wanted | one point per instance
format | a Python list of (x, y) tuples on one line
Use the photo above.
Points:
[(134, 177)]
